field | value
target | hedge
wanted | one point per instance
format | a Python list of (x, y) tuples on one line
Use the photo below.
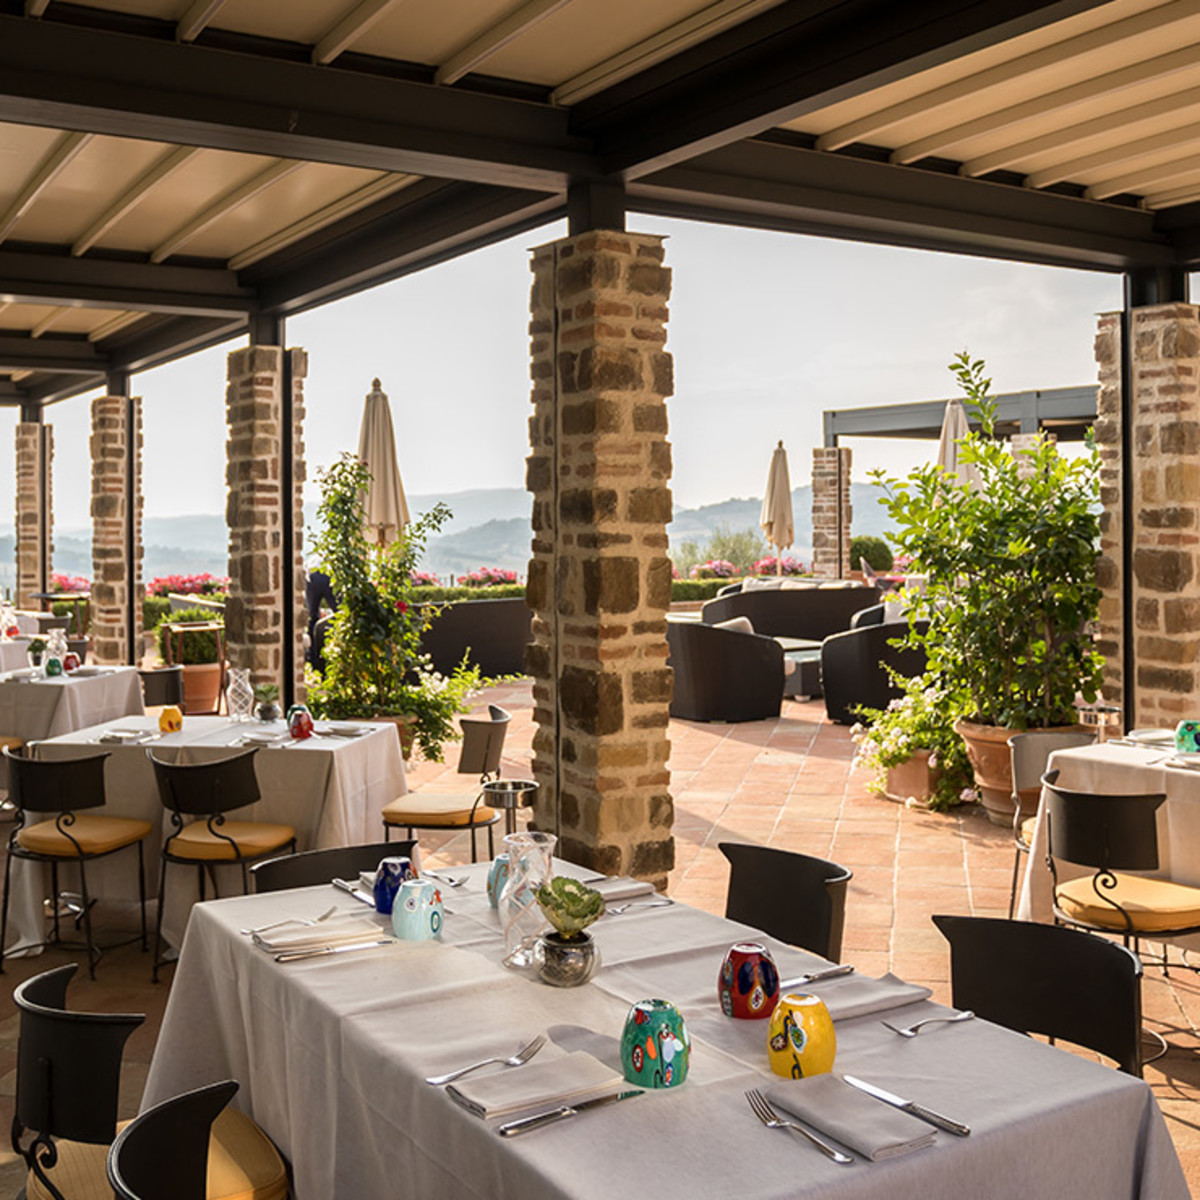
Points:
[(199, 646), (698, 589), (440, 595), (154, 611)]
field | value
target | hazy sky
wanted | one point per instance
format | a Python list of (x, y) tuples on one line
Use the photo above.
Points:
[(768, 330)]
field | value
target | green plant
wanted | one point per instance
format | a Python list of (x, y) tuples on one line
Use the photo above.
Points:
[(922, 719), (266, 693), (1011, 594), (425, 593), (37, 645), (569, 905), (374, 664), (875, 550), (698, 589), (197, 645), (154, 611)]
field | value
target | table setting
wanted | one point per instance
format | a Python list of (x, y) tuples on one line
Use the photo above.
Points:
[(426, 1058)]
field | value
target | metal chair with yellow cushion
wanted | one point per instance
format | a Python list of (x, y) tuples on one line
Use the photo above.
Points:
[(66, 788), (68, 1076), (482, 746), (205, 792)]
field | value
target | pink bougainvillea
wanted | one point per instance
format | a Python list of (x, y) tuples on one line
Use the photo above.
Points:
[(488, 577), (715, 568), (188, 585), (423, 579), (767, 566), (69, 583)]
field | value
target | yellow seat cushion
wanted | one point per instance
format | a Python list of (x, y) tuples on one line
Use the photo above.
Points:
[(439, 811), (1027, 827), (242, 1165), (97, 835), (1153, 905), (254, 838)]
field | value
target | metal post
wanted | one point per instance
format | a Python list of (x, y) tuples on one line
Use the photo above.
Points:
[(287, 523)]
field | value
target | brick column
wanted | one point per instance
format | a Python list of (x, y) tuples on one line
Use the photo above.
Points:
[(35, 515), (831, 512), (599, 578), (116, 449), (1166, 509), (264, 573)]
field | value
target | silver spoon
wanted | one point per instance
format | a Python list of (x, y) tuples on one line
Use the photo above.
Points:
[(911, 1031), (617, 909), (446, 879), (292, 921)]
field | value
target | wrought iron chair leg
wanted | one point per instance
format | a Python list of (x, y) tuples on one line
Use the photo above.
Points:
[(4, 912), (54, 899), (200, 873), (491, 842), (1012, 895), (158, 920), (93, 953), (212, 875), (142, 894), (387, 831), (474, 852)]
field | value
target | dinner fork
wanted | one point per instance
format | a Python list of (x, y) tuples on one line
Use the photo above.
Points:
[(519, 1059), (772, 1120), (446, 879), (292, 921), (617, 909), (911, 1031)]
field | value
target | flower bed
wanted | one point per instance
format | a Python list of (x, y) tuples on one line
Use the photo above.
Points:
[(769, 566), (716, 568), (487, 577), (188, 585)]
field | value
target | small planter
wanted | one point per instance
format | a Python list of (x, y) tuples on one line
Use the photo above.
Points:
[(914, 779), (566, 962), (201, 687)]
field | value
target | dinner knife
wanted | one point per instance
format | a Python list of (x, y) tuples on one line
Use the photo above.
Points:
[(343, 886), (817, 976), (321, 951), (909, 1106), (525, 1124)]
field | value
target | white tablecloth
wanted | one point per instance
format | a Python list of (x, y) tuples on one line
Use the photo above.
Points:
[(1121, 769), (331, 1055), (34, 709), (331, 790)]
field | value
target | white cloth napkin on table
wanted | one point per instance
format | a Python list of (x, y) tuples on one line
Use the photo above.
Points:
[(830, 1105), (337, 931), (565, 1080), (850, 996), (621, 887)]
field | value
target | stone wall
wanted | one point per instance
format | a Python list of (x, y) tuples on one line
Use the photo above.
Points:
[(114, 589), (264, 573), (831, 494), (1166, 509), (599, 576), (35, 451)]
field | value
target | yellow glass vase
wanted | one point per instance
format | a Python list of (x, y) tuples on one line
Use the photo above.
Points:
[(170, 720), (800, 1037)]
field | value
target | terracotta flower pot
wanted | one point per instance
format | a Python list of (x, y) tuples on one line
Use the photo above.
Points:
[(914, 778), (201, 687), (406, 730)]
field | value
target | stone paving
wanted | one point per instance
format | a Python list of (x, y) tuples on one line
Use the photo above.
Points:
[(787, 783)]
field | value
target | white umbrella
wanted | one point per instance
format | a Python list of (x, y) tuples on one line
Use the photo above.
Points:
[(385, 510), (776, 519), (954, 428)]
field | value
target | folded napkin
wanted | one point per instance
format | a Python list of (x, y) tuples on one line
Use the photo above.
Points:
[(850, 996), (124, 735), (621, 887), (344, 731), (337, 931), (830, 1105), (543, 1084)]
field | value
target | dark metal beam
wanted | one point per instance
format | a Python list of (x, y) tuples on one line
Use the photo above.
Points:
[(595, 204), (789, 61), (53, 276), (102, 81), (47, 387), (427, 223), (1156, 285), (70, 355), (168, 338), (769, 184)]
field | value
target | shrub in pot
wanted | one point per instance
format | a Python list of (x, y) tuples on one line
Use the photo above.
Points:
[(199, 651), (1011, 595)]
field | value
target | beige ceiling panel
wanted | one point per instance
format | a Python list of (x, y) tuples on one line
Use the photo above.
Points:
[(293, 20), (166, 10), (85, 188), (430, 31), (22, 149), (200, 181), (282, 204), (22, 316), (82, 320)]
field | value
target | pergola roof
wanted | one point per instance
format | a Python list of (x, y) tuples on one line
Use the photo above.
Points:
[(174, 172)]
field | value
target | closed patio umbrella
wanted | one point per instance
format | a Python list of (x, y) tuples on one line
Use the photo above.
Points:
[(954, 428), (385, 510), (776, 520)]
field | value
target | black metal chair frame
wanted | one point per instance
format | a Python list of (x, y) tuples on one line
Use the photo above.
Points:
[(1022, 747), (68, 1072), (68, 779), (311, 867), (215, 782), (764, 879), (163, 1153), (482, 748)]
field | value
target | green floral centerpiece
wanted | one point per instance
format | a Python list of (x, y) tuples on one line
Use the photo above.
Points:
[(374, 665), (567, 957)]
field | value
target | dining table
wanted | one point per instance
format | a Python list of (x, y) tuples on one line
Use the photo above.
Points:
[(332, 1054), (34, 706), (1145, 766), (331, 788)]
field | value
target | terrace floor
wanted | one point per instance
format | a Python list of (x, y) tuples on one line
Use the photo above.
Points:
[(787, 783)]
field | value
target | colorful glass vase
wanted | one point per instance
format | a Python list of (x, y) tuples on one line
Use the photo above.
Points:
[(1187, 737), (300, 722), (800, 1037), (390, 876), (655, 1047), (170, 720), (748, 986), (417, 912), (496, 879), (71, 662), (52, 665)]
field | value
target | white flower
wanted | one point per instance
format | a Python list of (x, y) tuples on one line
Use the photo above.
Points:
[(967, 795), (933, 761)]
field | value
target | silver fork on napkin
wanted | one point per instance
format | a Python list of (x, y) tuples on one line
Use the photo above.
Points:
[(519, 1059), (772, 1120), (292, 921)]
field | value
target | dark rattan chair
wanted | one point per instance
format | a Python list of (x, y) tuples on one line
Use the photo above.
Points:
[(66, 788), (1030, 752), (724, 674), (197, 797), (313, 867), (1047, 979), (854, 668), (793, 897), (68, 1077), (482, 746)]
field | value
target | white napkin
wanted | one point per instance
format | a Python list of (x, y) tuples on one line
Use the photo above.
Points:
[(621, 887), (337, 931), (541, 1084), (850, 996), (831, 1106)]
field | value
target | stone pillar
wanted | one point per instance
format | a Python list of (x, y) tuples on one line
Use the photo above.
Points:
[(599, 578), (116, 449), (1165, 533), (265, 574), (35, 515), (831, 512)]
